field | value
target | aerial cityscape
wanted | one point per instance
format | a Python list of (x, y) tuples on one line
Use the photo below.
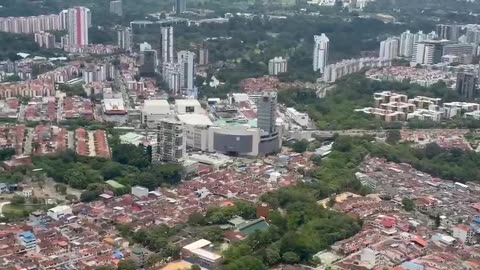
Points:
[(240, 135)]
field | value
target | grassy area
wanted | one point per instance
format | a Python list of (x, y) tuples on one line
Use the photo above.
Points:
[(19, 211)]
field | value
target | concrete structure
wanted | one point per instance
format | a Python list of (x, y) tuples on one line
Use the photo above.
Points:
[(180, 6), (473, 36), (170, 145), (423, 114), (448, 31), (199, 253), (389, 48), (139, 191), (79, 20), (59, 212), (406, 44), (187, 69), (196, 130), (203, 55), (320, 52), (172, 76), (338, 70), (466, 85), (464, 52), (28, 241), (234, 140), (428, 52), (270, 140), (167, 44), (183, 106), (148, 60), (277, 65), (45, 40), (116, 7), (124, 38), (464, 233), (300, 118), (154, 110)]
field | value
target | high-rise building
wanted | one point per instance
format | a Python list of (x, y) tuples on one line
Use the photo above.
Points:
[(170, 145), (467, 85), (148, 60), (464, 52), (406, 44), (267, 112), (171, 75), (79, 19), (203, 55), (473, 36), (45, 40), (124, 38), (448, 31), (320, 52), (427, 52), (116, 7), (167, 44), (277, 65), (180, 6), (389, 48), (186, 60)]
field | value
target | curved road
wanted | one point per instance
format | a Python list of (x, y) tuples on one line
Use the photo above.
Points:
[(1, 206)]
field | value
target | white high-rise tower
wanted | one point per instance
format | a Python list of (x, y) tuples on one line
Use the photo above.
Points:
[(320, 52), (167, 44), (187, 66), (389, 48)]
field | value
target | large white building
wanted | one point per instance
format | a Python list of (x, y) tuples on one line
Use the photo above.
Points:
[(172, 76), (155, 110), (389, 48), (59, 211), (183, 106), (79, 19), (277, 65), (408, 41), (196, 130), (427, 52), (167, 44), (320, 52), (301, 119), (171, 143), (186, 60)]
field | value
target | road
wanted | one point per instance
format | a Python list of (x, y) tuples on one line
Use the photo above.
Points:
[(1, 207)]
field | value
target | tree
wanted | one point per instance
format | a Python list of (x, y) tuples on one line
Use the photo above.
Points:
[(127, 265), (195, 267), (300, 146), (71, 197), (246, 262), (272, 256), (196, 219), (393, 136), (290, 257), (408, 204), (432, 150), (17, 200), (437, 221), (61, 188)]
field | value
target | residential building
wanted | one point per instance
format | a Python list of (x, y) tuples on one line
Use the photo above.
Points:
[(406, 44), (384, 115), (320, 52), (187, 69), (422, 102), (79, 20), (388, 97), (116, 7), (170, 145), (45, 40), (203, 55), (473, 36), (28, 241), (172, 76), (277, 65), (59, 212), (124, 38), (428, 52), (180, 6), (148, 59), (389, 48), (343, 68), (466, 85), (464, 233), (464, 52), (167, 44), (423, 114), (448, 31)]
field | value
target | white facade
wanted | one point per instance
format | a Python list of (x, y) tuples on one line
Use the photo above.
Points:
[(153, 111), (183, 106), (170, 145), (124, 38), (463, 233), (406, 44), (172, 76), (167, 44), (139, 191), (187, 69), (78, 23), (320, 52), (338, 70), (277, 65), (59, 211), (423, 53), (300, 118), (389, 48), (196, 130)]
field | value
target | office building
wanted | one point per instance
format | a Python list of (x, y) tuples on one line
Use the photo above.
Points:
[(170, 145), (389, 48), (406, 44), (79, 19), (464, 52), (186, 60), (203, 55), (428, 52), (448, 31), (171, 74), (196, 127), (466, 86), (270, 139), (116, 7), (320, 52), (277, 65), (124, 38), (180, 6), (148, 60), (154, 110), (167, 44)]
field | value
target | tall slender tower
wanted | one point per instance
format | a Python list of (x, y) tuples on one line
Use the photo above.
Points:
[(389, 48), (78, 23), (187, 67), (320, 52), (167, 44)]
